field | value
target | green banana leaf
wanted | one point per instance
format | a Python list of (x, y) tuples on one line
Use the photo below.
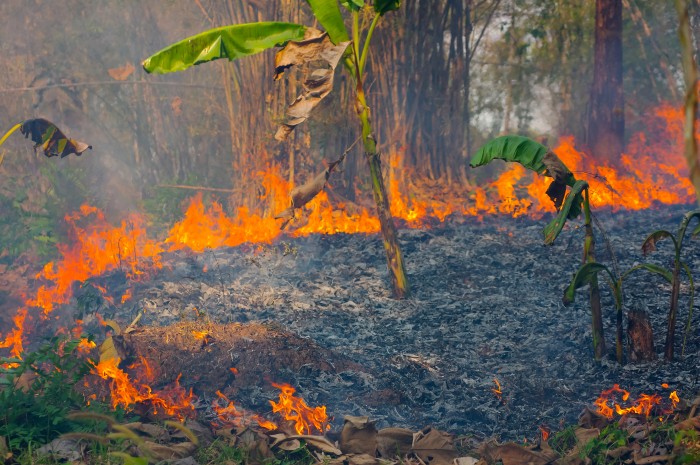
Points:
[(570, 210), (230, 42), (583, 277), (328, 14), (382, 6), (518, 149), (650, 267)]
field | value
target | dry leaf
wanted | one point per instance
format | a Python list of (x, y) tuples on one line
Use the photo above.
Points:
[(121, 73), (359, 436), (154, 431), (316, 48), (64, 449), (176, 105), (163, 452), (303, 194), (466, 461), (434, 447), (592, 419), (394, 442), (690, 423), (514, 454), (363, 459), (562, 176)]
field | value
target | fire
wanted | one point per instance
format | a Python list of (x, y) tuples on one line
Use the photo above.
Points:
[(651, 172), (126, 296), (305, 418), (95, 249), (545, 432), (228, 415), (608, 405), (497, 390), (172, 401), (13, 340)]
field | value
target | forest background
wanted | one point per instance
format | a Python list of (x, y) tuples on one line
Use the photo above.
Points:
[(446, 76)]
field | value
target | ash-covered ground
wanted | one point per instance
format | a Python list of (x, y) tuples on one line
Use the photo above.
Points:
[(486, 304)]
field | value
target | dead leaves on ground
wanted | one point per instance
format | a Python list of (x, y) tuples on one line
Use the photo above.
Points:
[(639, 441)]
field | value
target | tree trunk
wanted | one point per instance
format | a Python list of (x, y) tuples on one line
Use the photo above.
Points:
[(640, 336), (691, 101), (606, 119)]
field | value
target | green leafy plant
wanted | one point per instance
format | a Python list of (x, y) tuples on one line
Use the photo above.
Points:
[(38, 393), (538, 158), (611, 437), (303, 46), (674, 277)]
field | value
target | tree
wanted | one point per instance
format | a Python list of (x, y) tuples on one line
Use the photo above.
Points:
[(690, 74), (302, 46), (606, 120)]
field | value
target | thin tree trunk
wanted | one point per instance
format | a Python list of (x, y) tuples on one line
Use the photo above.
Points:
[(690, 75), (606, 121)]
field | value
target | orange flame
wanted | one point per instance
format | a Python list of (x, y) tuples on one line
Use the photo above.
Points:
[(126, 296), (95, 250), (13, 340), (173, 401), (643, 405), (228, 415), (497, 390), (305, 418)]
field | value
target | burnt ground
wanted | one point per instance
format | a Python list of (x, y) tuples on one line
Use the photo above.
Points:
[(486, 304)]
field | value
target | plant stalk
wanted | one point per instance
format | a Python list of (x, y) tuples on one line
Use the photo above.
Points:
[(594, 293), (394, 257), (671, 329)]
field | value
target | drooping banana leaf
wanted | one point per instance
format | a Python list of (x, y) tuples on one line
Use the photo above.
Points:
[(684, 224), (328, 14), (649, 244), (518, 149), (583, 277), (53, 142), (532, 155), (570, 210), (230, 42), (655, 269)]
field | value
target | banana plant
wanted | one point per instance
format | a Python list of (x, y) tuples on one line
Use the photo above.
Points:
[(540, 159), (301, 45), (46, 135), (674, 277)]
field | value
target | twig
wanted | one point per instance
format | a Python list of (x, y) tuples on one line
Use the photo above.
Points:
[(106, 83), (198, 188)]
